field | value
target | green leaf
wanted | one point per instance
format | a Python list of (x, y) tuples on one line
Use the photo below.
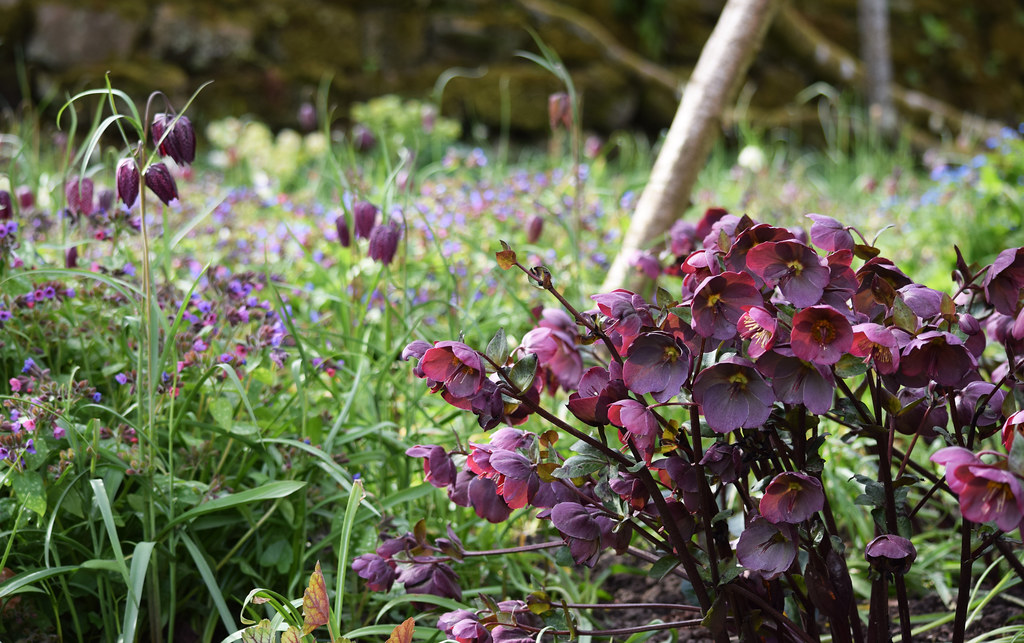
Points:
[(578, 466), (292, 635), (497, 348), (269, 491), (663, 566), (210, 580), (902, 316), (14, 584), (28, 487), (223, 412), (523, 372), (136, 581)]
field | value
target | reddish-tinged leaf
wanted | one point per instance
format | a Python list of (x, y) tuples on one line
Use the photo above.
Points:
[(292, 635), (403, 633), (315, 607), (263, 632), (506, 256)]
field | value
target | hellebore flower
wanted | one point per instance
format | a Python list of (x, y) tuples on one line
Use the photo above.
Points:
[(160, 181), (924, 302), (830, 235), (579, 530), (988, 492), (448, 620), (127, 182), (796, 268), (796, 381), (627, 311), (5, 205), (733, 395), (455, 365), (470, 631), (723, 460), (378, 572), (384, 242), (936, 355), (430, 578), (1004, 281), (486, 501), (639, 423), (767, 548), (175, 137), (79, 195), (922, 416), (720, 301), (759, 326), (364, 217), (967, 404), (656, 363), (736, 259), (589, 403), (517, 480), (877, 344), (792, 497), (891, 553), (821, 334), (1013, 425), (555, 348), (438, 468)]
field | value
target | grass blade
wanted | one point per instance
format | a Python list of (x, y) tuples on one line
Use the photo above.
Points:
[(354, 498), (100, 495), (269, 491), (136, 581), (211, 582)]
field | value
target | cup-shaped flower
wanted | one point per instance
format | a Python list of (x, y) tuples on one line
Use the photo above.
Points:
[(378, 572), (557, 353), (792, 497), (656, 363), (767, 548), (627, 311), (364, 218), (175, 137), (891, 554), (596, 391), (579, 530), (160, 181), (127, 175), (795, 381), (1004, 281), (980, 404), (987, 492), (821, 334), (384, 242), (438, 468), (720, 301), (733, 395), (723, 460), (938, 356), (829, 234), (760, 327), (517, 480), (796, 268), (470, 631), (6, 211), (447, 621), (455, 365), (641, 427), (877, 344), (78, 193), (923, 410)]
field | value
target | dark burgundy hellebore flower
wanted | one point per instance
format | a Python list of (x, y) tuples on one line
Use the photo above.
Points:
[(877, 344), (971, 395), (438, 468), (6, 210), (179, 142), (455, 365), (516, 480), (1004, 281), (821, 334), (938, 356), (1013, 425), (830, 235), (79, 195), (364, 217), (795, 381), (579, 530), (378, 572), (723, 460), (430, 578), (448, 620), (891, 553), (384, 242), (719, 302), (470, 631), (127, 175), (627, 311), (920, 416), (988, 492), (733, 395), (657, 363), (796, 268), (792, 497), (639, 423), (767, 548), (483, 496), (554, 344), (596, 391), (160, 181)]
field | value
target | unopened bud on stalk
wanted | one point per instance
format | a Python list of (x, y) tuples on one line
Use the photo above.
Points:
[(364, 217), (180, 140), (384, 242), (342, 226), (127, 182)]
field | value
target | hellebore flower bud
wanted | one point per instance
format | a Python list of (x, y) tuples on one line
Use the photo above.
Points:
[(179, 143), (127, 182), (343, 236), (160, 181), (384, 242), (79, 195), (71, 258), (5, 205), (364, 217)]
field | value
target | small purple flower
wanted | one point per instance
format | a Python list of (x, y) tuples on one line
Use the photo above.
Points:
[(455, 365), (6, 211), (384, 242), (341, 225), (1004, 281), (579, 530), (78, 193), (878, 344), (29, 363), (792, 497), (821, 334), (830, 235), (891, 553), (627, 311), (760, 327), (97, 396), (430, 578), (987, 492), (121, 379), (364, 216), (639, 422), (378, 572)]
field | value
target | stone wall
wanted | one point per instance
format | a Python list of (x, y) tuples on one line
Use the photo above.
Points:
[(268, 56)]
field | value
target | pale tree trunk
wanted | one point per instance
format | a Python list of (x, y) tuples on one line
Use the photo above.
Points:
[(873, 23), (716, 79)]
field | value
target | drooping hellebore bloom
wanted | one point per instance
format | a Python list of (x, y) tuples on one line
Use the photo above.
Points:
[(936, 355), (435, 578), (78, 193), (990, 412), (364, 217), (175, 136), (378, 572), (829, 234), (987, 492), (796, 268), (455, 365), (438, 468), (627, 311), (719, 302), (1013, 425), (160, 181), (767, 548), (792, 497), (384, 242), (821, 334), (1004, 281), (589, 403), (127, 175), (891, 553), (733, 395), (796, 381), (639, 423), (656, 363), (554, 344), (579, 530), (760, 327), (877, 344)]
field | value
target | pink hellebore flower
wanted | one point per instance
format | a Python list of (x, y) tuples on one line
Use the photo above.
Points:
[(455, 365), (792, 497), (988, 492)]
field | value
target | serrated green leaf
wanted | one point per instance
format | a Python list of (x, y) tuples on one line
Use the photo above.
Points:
[(578, 466), (497, 348), (28, 487), (522, 374)]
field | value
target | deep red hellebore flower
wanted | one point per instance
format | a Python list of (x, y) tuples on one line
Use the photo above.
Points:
[(719, 302), (821, 334)]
